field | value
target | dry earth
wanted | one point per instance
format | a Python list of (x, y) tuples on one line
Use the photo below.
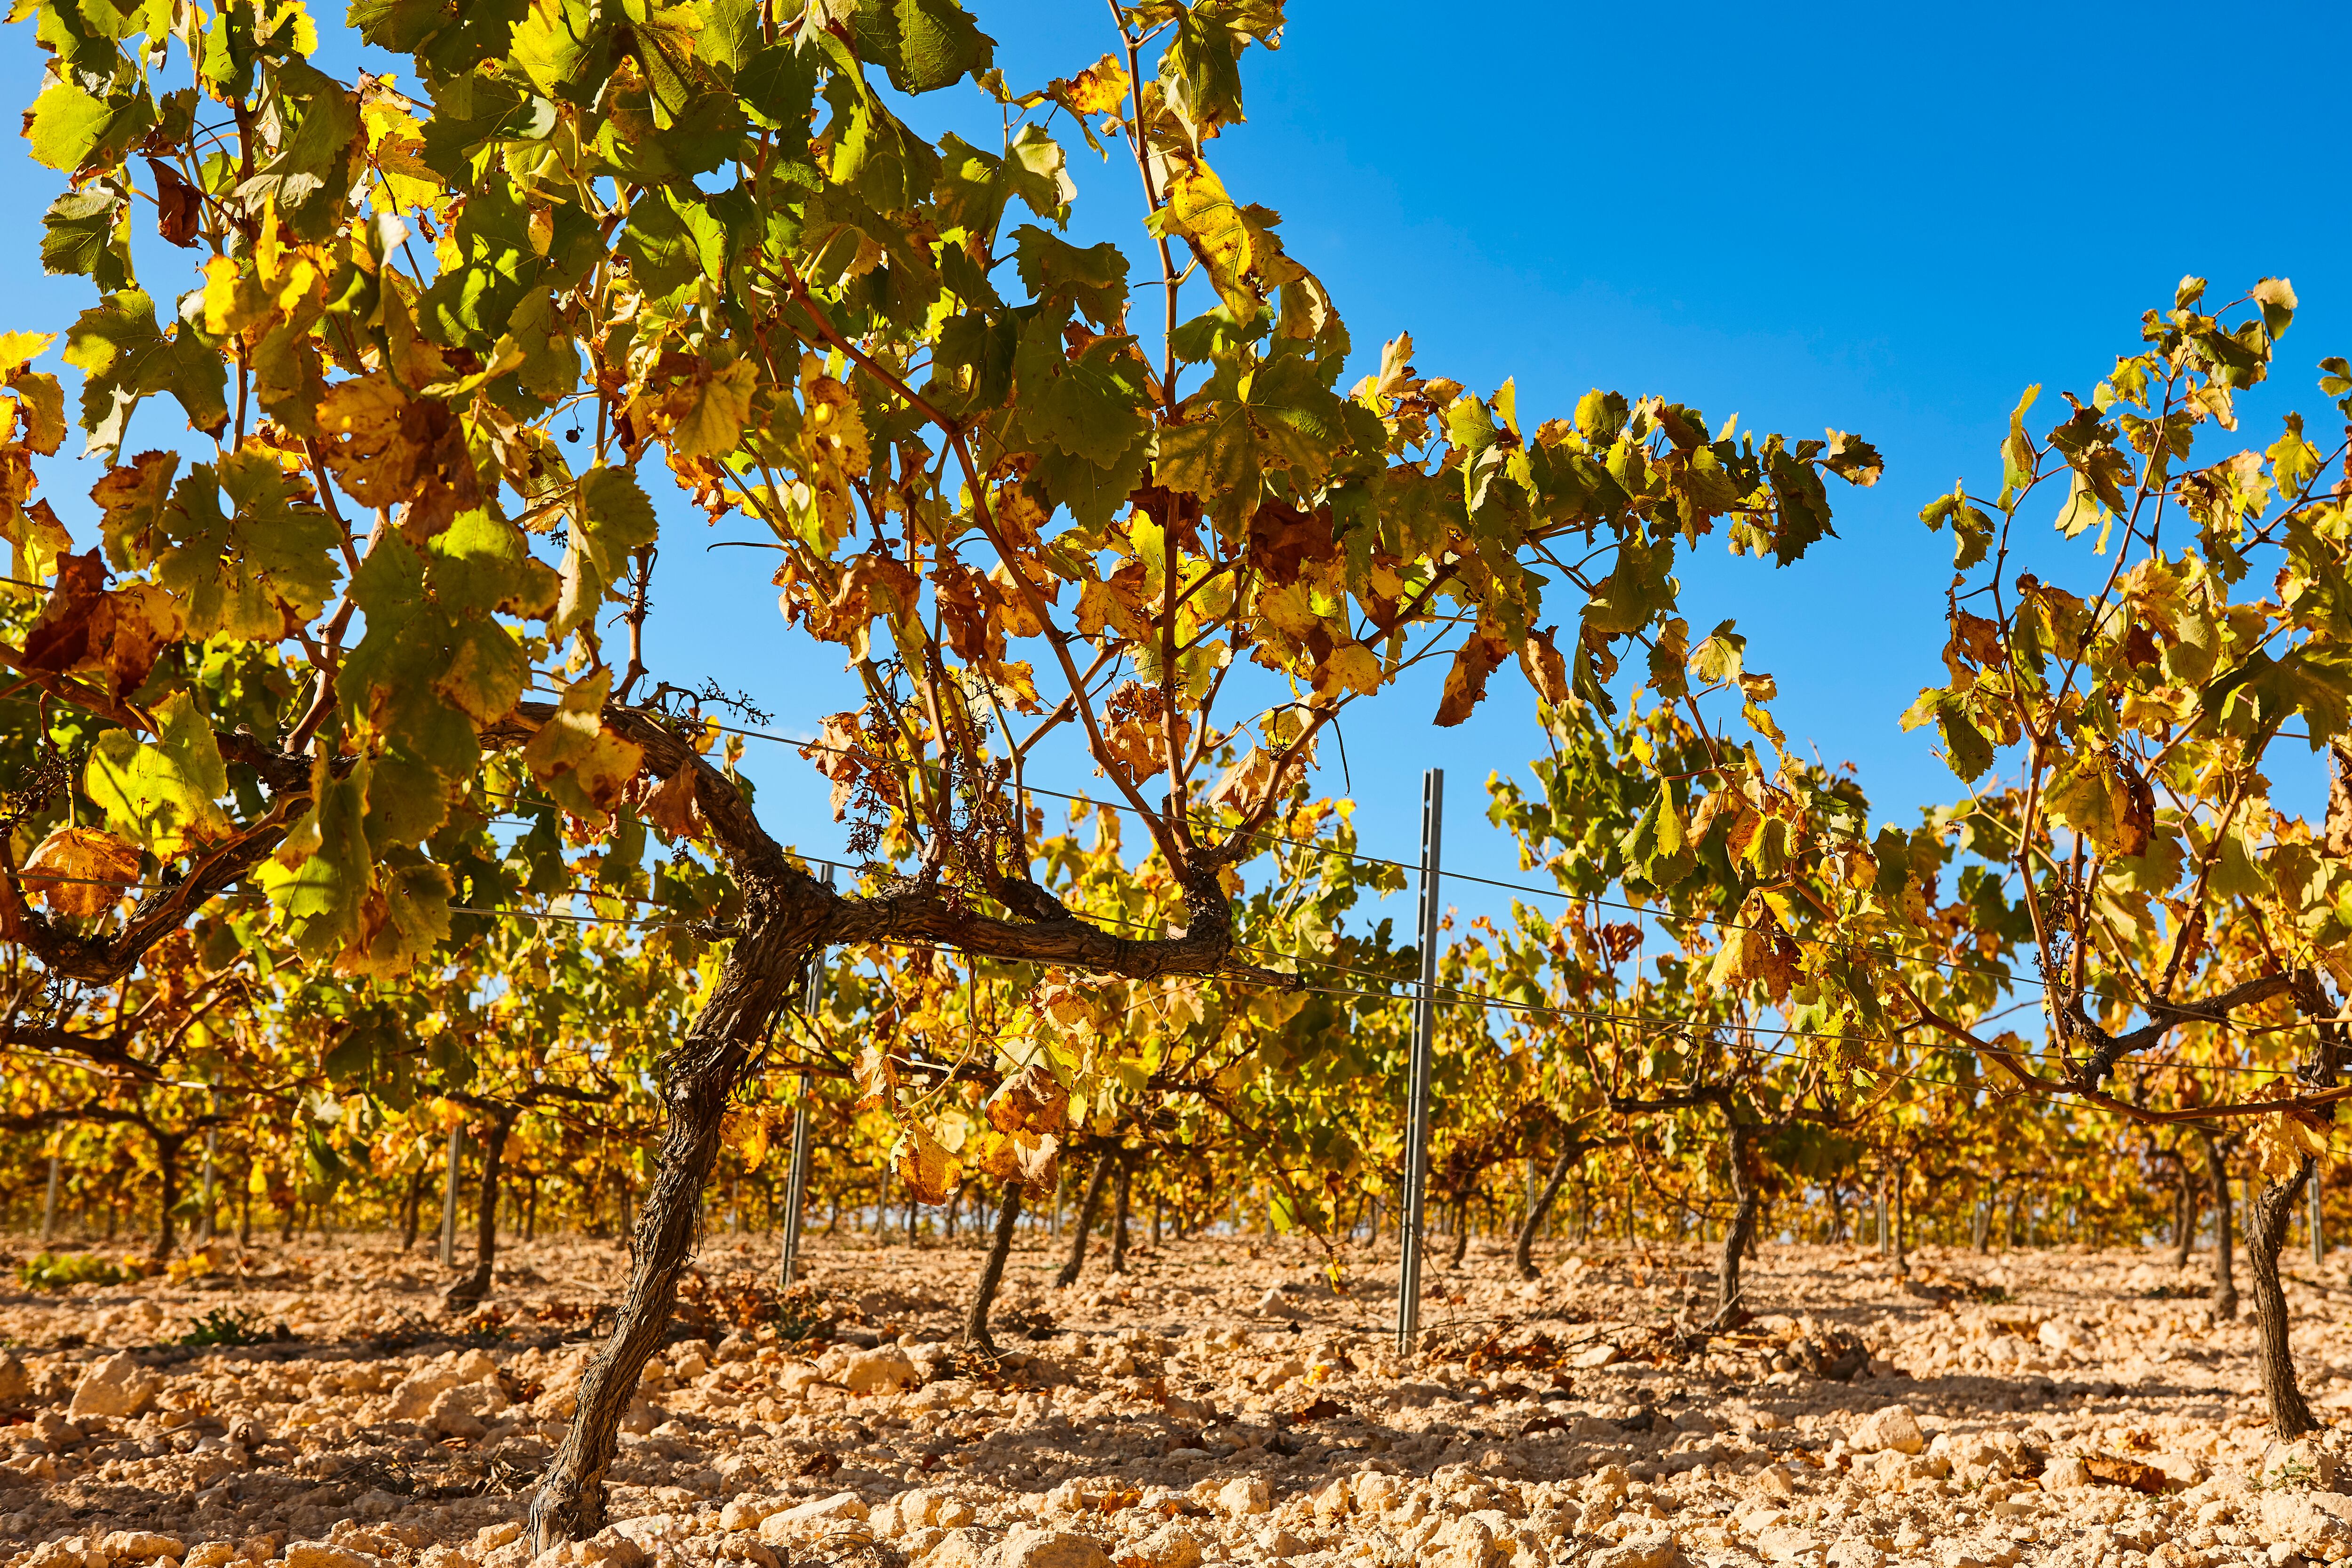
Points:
[(1221, 1402)]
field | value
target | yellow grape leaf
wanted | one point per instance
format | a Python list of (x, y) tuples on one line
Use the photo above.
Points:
[(161, 792), (367, 441), (20, 349), (747, 1134), (1354, 667), (993, 1154), (877, 1079), (1099, 88), (924, 1165)]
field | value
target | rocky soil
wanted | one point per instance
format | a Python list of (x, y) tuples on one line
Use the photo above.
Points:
[(1223, 1401)]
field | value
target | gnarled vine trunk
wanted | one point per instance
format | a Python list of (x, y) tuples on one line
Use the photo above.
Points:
[(2225, 1282), (167, 1171), (2269, 1209), (991, 1271), (1461, 1232), (1087, 1206), (411, 1209), (700, 1076), (475, 1288), (1523, 1249), (2184, 1215), (1739, 1234), (1120, 1210)]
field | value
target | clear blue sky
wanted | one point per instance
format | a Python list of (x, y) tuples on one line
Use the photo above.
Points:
[(1884, 220)]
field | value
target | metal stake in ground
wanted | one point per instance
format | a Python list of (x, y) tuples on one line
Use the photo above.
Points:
[(212, 1159), (1424, 1020), (2319, 1234), (449, 1201), (796, 1181)]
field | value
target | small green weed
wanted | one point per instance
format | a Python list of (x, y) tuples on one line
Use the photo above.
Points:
[(221, 1326), (63, 1271)]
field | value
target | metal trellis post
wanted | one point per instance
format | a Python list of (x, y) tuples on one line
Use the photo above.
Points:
[(2318, 1234), (449, 1200), (1424, 1020), (212, 1160)]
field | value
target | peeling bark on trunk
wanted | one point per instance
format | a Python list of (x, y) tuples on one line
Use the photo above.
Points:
[(992, 1273), (1523, 1249), (700, 1075), (2225, 1282), (2270, 1210), (474, 1290), (1087, 1206), (1120, 1210), (1728, 1312)]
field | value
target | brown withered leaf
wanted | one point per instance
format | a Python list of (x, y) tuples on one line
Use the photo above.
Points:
[(1031, 1101), (179, 206), (674, 808), (60, 639), (1546, 670), (81, 871), (2138, 1474), (1465, 681), (2136, 822), (1283, 541)]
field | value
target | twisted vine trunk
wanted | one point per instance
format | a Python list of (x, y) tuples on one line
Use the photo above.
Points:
[(991, 1271), (2184, 1217), (1087, 1206), (167, 1171), (410, 1207), (2269, 1209), (474, 1290), (1523, 1249), (1738, 1235), (2225, 1282), (1120, 1210), (1461, 1233), (700, 1076)]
